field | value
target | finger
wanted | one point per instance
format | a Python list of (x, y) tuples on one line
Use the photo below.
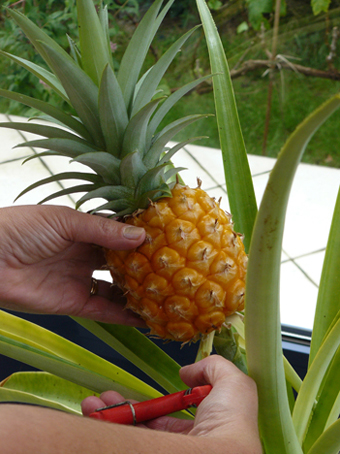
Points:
[(113, 398), (170, 424), (108, 306), (103, 310), (108, 233), (211, 370), (91, 404), (107, 398)]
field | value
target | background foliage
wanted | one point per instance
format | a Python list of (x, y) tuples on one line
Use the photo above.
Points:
[(305, 37)]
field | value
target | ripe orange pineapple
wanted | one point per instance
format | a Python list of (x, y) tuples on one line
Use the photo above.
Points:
[(190, 272)]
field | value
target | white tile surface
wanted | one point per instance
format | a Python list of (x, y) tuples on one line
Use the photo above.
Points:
[(307, 224), (312, 265), (297, 296), (310, 209)]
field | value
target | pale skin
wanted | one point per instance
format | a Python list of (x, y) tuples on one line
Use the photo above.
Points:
[(47, 259)]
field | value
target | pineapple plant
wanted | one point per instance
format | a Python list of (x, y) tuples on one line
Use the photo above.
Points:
[(189, 274)]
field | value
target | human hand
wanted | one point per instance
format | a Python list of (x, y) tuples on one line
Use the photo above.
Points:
[(47, 258), (228, 414)]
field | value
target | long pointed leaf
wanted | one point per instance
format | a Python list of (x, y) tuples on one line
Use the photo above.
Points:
[(313, 380), (108, 193), (93, 42), (68, 191), (106, 165), (169, 154), (37, 36), (42, 73), (328, 303), (50, 110), (154, 153), (112, 112), (329, 441), (135, 53), (135, 134), (42, 130), (132, 169), (153, 78), (326, 409), (45, 350), (42, 388), (75, 372), (81, 90), (104, 21), (62, 176), (262, 316), (66, 147), (140, 350), (169, 103), (241, 193)]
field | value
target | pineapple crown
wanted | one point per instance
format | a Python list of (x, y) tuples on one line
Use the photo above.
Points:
[(114, 131)]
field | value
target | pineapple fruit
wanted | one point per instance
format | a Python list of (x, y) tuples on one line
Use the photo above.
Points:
[(189, 274)]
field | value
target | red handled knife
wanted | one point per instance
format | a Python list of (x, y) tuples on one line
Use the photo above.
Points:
[(128, 413)]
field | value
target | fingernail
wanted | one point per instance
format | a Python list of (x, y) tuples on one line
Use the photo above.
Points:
[(132, 233)]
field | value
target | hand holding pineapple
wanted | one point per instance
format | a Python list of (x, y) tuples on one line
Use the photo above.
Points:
[(189, 275), (47, 259)]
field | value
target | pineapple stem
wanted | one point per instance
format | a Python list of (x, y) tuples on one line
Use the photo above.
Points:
[(205, 347)]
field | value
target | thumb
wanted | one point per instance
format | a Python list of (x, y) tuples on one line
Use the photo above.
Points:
[(105, 232)]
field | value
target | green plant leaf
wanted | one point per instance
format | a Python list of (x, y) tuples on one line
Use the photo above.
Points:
[(140, 350), (163, 137), (62, 176), (112, 112), (74, 51), (132, 169), (40, 348), (42, 130), (311, 384), (66, 147), (135, 53), (103, 15), (135, 133), (37, 36), (153, 78), (169, 154), (81, 90), (320, 6), (329, 441), (45, 389), (68, 191), (106, 165), (169, 103), (262, 316), (108, 193), (50, 110), (236, 167), (328, 303), (42, 73), (327, 406), (95, 54)]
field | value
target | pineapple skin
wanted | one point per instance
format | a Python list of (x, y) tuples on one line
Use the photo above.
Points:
[(189, 274)]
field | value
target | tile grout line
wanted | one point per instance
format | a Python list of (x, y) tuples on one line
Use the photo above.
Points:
[(307, 254), (290, 259)]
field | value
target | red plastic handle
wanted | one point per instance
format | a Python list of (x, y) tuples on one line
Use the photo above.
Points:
[(127, 413)]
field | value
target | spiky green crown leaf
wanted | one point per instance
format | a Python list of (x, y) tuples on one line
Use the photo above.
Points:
[(114, 129)]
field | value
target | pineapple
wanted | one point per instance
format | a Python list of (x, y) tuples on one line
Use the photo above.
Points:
[(189, 274)]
